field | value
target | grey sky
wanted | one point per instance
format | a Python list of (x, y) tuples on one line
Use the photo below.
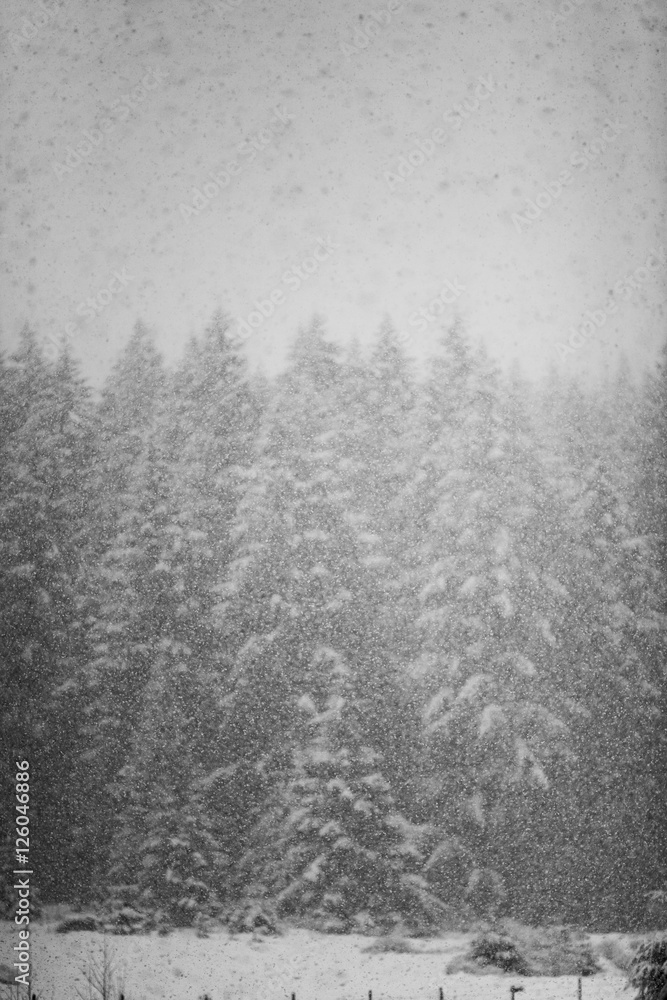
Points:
[(309, 122)]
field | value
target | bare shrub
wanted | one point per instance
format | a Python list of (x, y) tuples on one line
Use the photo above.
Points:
[(104, 977)]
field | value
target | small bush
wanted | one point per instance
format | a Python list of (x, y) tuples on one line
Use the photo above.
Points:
[(253, 916), (203, 925), (555, 951), (618, 951), (648, 969), (120, 919), (500, 951), (390, 944), (528, 951), (491, 953), (78, 922)]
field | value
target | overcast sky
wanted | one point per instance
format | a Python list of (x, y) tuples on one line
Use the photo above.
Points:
[(370, 159)]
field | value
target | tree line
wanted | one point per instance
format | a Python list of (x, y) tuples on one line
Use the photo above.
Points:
[(358, 645)]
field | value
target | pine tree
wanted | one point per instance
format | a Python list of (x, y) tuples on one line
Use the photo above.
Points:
[(155, 679), (308, 579), (125, 423), (380, 448), (166, 858), (167, 566), (602, 806), (492, 724), (614, 644), (338, 848), (118, 588), (212, 441), (44, 513), (652, 504), (283, 589)]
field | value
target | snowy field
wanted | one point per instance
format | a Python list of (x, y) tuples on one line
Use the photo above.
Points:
[(313, 966)]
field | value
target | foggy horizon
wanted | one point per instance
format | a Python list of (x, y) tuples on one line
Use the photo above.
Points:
[(514, 155)]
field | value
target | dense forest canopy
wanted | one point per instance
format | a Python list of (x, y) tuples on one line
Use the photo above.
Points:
[(357, 646)]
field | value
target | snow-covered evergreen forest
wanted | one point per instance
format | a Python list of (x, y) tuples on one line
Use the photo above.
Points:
[(359, 644)]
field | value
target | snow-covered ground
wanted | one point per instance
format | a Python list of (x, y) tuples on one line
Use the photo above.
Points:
[(314, 966)]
